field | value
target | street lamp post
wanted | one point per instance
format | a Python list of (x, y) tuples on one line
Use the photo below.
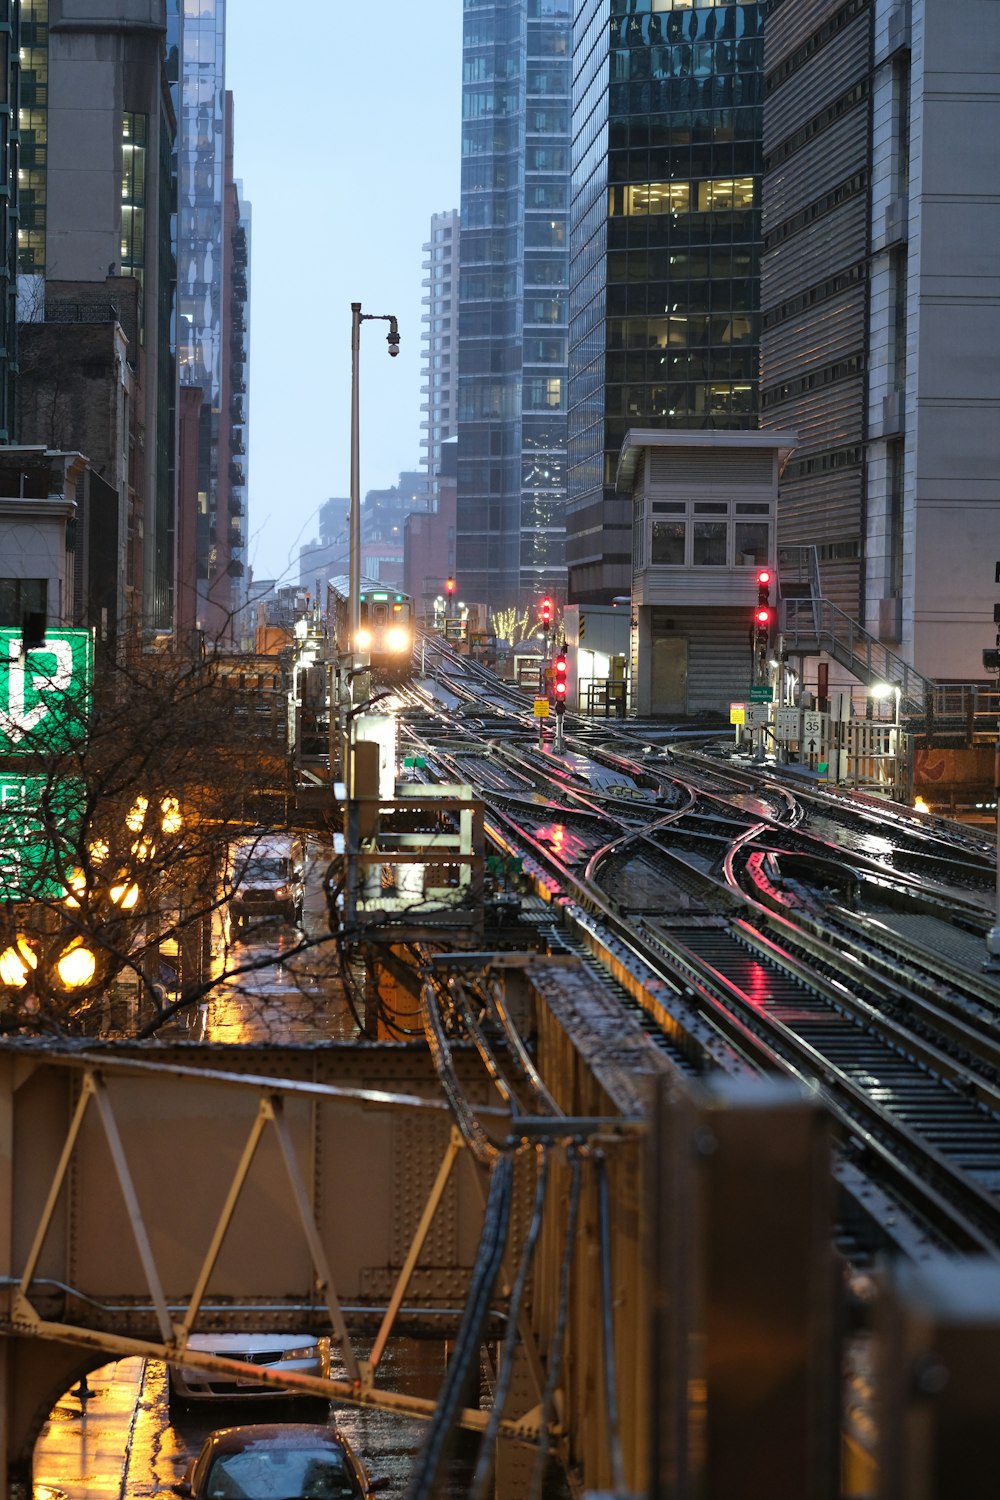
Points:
[(352, 841), (354, 522)]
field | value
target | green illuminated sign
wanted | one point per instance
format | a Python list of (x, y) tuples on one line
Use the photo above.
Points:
[(39, 822), (45, 692)]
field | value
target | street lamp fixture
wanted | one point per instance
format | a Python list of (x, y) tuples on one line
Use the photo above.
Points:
[(76, 966)]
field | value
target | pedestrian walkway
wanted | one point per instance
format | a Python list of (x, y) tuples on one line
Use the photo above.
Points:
[(83, 1449)]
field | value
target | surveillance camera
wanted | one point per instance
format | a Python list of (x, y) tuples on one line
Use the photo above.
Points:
[(394, 350)]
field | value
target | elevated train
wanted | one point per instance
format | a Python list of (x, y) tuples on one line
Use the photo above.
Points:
[(385, 628)]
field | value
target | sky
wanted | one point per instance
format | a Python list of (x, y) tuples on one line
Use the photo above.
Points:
[(346, 140)]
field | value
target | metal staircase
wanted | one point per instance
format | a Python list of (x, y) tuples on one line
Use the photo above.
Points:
[(811, 624)]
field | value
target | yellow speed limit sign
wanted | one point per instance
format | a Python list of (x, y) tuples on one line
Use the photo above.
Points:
[(541, 708)]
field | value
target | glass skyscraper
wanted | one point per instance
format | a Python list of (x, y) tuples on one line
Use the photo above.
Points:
[(667, 118), (513, 300), (201, 321)]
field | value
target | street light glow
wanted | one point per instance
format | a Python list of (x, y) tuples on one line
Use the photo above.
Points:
[(17, 963), (76, 966), (170, 819), (136, 815)]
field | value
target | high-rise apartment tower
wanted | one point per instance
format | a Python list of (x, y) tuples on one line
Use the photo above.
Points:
[(439, 336), (513, 299)]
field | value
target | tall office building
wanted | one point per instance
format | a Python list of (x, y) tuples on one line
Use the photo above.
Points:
[(512, 300), (235, 389), (439, 337), (10, 83), (664, 278), (96, 273), (881, 311), (205, 261)]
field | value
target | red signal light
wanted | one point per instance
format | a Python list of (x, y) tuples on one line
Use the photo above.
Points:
[(545, 609), (762, 614), (449, 585), (559, 671)]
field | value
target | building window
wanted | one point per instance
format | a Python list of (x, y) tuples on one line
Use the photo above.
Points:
[(752, 542), (709, 544), (20, 597), (667, 543), (133, 192), (707, 195)]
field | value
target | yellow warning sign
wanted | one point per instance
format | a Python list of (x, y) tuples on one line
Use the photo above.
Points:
[(541, 708), (737, 713)]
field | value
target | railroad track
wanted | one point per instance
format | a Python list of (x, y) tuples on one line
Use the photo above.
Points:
[(683, 884)]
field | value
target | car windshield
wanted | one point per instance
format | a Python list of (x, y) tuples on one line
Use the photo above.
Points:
[(261, 1473), (262, 867)]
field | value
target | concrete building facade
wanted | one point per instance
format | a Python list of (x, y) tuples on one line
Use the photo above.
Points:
[(881, 311)]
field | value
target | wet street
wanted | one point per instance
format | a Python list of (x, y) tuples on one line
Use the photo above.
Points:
[(286, 986), (120, 1441)]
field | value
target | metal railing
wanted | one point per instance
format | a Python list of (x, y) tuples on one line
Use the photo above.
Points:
[(819, 624), (811, 623)]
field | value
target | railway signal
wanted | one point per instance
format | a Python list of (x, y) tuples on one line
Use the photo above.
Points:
[(763, 615), (559, 681), (545, 612)]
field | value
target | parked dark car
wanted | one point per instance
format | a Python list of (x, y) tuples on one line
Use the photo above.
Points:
[(277, 1461)]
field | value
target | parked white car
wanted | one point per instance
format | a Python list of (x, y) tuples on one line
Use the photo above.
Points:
[(303, 1352)]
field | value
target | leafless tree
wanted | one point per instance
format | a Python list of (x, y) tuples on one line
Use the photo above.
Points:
[(113, 843)]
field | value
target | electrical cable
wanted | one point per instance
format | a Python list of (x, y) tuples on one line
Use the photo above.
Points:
[(607, 1328), (466, 1348), (485, 1458), (473, 1134), (559, 1331)]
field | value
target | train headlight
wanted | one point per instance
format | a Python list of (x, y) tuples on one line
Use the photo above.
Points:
[(397, 638), (363, 639)]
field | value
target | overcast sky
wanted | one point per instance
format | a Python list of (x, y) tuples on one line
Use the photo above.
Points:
[(347, 139)]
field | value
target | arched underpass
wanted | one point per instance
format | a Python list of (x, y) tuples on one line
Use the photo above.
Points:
[(148, 1192), (151, 1190)]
